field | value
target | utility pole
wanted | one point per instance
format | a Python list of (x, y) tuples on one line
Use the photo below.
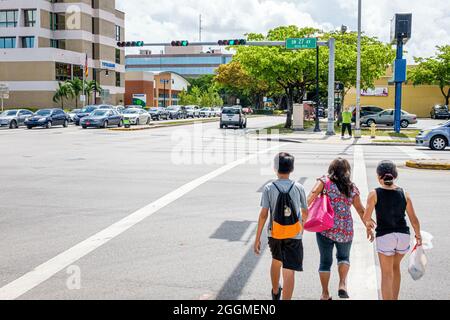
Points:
[(358, 77), (317, 128), (331, 76), (200, 29)]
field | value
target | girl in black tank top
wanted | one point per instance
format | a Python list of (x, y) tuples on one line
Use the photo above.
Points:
[(390, 211), (392, 232)]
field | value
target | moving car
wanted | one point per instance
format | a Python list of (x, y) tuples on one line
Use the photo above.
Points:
[(247, 110), (159, 113), (440, 112), (436, 138), (387, 117), (72, 114), (193, 111), (232, 116), (14, 118), (48, 118), (84, 113), (102, 118), (365, 111), (136, 116), (177, 112)]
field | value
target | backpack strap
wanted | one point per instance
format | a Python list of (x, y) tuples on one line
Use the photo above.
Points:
[(289, 191)]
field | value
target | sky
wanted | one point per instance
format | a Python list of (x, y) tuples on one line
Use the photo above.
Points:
[(167, 20)]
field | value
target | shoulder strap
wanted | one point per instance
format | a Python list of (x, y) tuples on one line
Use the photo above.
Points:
[(276, 186), (292, 186)]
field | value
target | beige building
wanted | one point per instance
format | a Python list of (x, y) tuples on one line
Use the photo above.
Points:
[(43, 42)]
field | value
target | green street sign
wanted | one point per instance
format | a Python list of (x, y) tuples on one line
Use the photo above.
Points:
[(301, 43)]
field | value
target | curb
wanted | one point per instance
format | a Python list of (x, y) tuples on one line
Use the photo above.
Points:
[(162, 125), (429, 164)]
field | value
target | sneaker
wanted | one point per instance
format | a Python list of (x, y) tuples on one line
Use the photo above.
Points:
[(277, 296)]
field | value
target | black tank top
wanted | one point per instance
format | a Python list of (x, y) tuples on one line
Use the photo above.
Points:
[(390, 210)]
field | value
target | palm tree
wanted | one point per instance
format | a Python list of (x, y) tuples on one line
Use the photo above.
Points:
[(76, 86), (91, 86), (64, 91)]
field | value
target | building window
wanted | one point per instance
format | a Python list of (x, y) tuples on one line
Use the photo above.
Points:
[(7, 42), (117, 33), (8, 18), (58, 44), (27, 42), (78, 72), (118, 82), (117, 56), (29, 17), (63, 71)]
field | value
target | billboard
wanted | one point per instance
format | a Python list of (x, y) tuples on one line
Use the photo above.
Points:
[(140, 100), (376, 92)]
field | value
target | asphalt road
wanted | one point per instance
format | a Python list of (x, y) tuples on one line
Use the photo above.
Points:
[(177, 208)]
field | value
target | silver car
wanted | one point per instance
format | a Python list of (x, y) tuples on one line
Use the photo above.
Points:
[(387, 117), (136, 116), (436, 138), (72, 114), (14, 118)]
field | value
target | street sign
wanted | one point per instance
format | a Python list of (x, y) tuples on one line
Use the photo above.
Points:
[(301, 43), (4, 95)]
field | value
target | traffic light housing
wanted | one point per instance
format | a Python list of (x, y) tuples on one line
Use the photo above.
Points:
[(180, 43), (122, 44), (232, 42)]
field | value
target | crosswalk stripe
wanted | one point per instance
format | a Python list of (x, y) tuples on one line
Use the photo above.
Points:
[(413, 153)]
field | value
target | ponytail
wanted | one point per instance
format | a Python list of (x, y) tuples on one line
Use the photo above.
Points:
[(387, 171)]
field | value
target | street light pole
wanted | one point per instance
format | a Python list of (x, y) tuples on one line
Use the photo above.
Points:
[(317, 128), (358, 76), (331, 78)]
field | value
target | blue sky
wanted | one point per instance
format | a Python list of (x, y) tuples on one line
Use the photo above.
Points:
[(166, 20)]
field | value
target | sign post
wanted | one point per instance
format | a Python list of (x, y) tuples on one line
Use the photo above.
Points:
[(4, 92)]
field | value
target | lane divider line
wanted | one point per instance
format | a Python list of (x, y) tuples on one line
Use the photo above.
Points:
[(45, 271)]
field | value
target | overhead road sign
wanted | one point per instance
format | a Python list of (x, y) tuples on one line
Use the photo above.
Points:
[(301, 43)]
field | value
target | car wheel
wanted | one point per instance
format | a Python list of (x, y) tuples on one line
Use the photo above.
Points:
[(369, 122), (48, 125), (105, 124), (245, 125), (404, 124), (66, 124), (120, 125), (221, 126), (84, 127), (13, 125), (148, 121), (137, 122), (29, 127), (438, 143)]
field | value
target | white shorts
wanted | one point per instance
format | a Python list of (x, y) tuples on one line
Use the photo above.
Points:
[(393, 243)]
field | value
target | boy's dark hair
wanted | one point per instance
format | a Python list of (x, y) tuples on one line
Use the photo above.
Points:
[(387, 171), (284, 163)]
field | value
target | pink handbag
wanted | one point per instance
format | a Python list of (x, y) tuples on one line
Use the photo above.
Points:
[(321, 212)]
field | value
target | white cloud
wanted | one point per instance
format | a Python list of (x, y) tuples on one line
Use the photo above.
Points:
[(163, 21)]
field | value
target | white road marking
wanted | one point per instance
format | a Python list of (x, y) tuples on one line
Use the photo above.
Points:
[(48, 269), (413, 153), (362, 278)]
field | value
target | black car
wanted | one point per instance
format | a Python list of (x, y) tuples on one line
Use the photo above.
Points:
[(177, 112), (440, 112), (84, 113), (102, 118), (159, 113), (366, 110), (48, 118)]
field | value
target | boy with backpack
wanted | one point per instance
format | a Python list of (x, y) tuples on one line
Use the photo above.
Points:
[(285, 201)]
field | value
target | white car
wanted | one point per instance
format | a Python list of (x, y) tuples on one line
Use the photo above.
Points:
[(206, 113), (136, 116), (232, 116), (193, 111), (72, 114)]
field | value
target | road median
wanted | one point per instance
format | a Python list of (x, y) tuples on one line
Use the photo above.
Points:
[(433, 164)]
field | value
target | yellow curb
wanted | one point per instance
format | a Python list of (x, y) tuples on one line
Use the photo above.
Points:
[(429, 164)]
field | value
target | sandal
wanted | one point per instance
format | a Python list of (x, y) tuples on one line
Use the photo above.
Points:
[(343, 294)]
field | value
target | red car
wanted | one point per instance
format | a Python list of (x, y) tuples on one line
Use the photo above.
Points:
[(247, 110)]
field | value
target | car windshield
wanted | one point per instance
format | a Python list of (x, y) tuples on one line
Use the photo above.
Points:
[(88, 109), (230, 111), (44, 113), (99, 113), (9, 113), (131, 111), (172, 108), (153, 109), (105, 107)]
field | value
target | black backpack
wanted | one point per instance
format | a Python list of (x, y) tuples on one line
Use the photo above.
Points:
[(286, 223)]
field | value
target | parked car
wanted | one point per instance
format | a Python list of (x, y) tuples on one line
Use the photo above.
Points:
[(387, 117), (440, 112), (218, 112), (365, 111), (14, 118), (247, 110), (159, 113), (48, 118), (105, 106), (193, 111), (177, 112), (102, 118), (436, 138), (232, 116), (72, 114), (132, 106), (84, 113), (137, 116), (119, 108), (206, 113)]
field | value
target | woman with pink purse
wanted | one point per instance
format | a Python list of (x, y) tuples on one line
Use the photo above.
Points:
[(330, 216)]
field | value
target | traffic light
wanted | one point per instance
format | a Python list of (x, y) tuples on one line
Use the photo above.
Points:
[(180, 43), (130, 44), (233, 42)]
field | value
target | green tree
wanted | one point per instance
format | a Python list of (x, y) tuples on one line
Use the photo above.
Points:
[(203, 82), (434, 71), (76, 86), (63, 91), (90, 87)]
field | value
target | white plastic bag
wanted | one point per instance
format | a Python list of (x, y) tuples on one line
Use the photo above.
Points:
[(417, 263), (427, 238)]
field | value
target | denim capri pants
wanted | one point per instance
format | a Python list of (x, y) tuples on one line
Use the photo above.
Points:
[(326, 247)]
